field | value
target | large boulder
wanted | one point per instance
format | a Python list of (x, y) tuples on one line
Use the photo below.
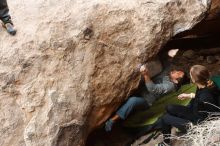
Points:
[(73, 62), (207, 28)]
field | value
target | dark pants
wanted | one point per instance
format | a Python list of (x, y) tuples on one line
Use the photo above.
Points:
[(133, 104), (177, 116), (4, 12)]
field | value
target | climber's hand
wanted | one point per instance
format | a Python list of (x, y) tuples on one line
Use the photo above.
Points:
[(184, 96), (144, 70)]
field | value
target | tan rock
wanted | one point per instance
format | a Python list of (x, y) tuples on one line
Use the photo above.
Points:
[(72, 62)]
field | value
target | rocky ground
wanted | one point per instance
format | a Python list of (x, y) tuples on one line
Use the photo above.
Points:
[(183, 60), (207, 57)]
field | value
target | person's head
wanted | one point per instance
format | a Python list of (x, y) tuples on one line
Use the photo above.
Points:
[(200, 75), (178, 77)]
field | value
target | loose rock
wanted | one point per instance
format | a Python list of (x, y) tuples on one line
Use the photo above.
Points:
[(211, 59), (189, 54)]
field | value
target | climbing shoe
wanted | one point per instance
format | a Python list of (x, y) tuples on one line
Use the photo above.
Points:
[(108, 125), (10, 28)]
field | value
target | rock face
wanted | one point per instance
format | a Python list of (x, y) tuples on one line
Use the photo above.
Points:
[(208, 27), (214, 12), (73, 62)]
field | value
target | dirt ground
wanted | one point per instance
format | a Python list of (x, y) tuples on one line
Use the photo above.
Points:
[(183, 60)]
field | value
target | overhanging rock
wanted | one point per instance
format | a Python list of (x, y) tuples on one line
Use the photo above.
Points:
[(73, 62)]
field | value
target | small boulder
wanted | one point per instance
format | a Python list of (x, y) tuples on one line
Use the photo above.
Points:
[(189, 54), (217, 57), (211, 59), (201, 58)]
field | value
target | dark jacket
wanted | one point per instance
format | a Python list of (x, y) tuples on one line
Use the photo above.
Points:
[(204, 102)]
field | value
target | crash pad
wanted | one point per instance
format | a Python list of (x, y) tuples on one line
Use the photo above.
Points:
[(149, 116)]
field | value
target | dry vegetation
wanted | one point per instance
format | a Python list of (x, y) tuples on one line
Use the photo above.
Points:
[(206, 133)]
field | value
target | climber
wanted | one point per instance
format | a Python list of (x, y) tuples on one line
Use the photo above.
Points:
[(6, 18), (150, 92), (202, 104)]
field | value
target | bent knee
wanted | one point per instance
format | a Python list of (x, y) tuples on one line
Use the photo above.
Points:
[(170, 108), (132, 99)]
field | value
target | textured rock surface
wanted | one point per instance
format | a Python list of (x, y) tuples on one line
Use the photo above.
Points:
[(214, 12), (73, 62)]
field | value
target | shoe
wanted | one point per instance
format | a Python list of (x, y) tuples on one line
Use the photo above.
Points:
[(108, 125), (10, 28), (162, 144), (178, 132)]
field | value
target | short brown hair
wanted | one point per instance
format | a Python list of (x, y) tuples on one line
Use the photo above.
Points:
[(183, 80)]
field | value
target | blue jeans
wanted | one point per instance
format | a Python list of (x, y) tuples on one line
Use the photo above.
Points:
[(132, 104)]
